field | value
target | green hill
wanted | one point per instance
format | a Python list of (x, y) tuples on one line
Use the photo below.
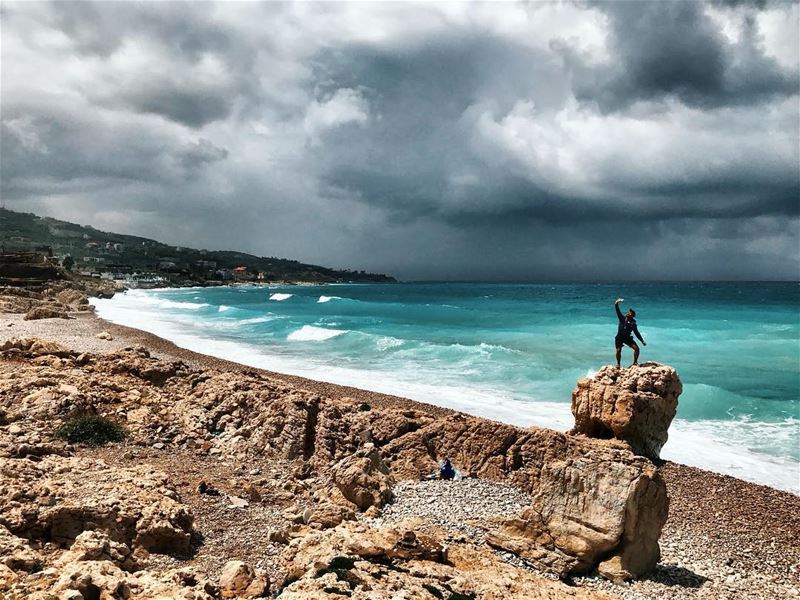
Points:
[(92, 250)]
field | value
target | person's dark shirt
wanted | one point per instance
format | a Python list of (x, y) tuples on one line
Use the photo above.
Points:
[(447, 470), (626, 327)]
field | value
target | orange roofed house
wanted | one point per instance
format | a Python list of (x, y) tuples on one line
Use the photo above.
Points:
[(241, 274)]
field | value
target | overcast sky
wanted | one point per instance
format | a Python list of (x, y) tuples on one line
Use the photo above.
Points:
[(587, 140)]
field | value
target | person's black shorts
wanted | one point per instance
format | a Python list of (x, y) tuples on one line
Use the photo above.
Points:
[(618, 341)]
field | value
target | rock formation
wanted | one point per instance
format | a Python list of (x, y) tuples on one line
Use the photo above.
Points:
[(31, 284), (635, 405), (367, 562), (363, 478), (28, 269), (51, 499), (45, 312), (240, 580), (596, 503)]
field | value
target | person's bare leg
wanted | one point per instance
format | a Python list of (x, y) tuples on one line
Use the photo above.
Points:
[(619, 354), (635, 347)]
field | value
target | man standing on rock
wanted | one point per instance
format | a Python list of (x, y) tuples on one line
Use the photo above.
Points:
[(627, 326)]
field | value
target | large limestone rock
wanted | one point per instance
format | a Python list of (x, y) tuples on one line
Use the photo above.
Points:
[(46, 312), (32, 347), (97, 545), (636, 405), (588, 493), (58, 498), (363, 478), (354, 560), (15, 553), (104, 580), (72, 297), (240, 580)]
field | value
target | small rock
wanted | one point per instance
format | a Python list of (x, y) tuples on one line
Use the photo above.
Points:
[(236, 577), (158, 445), (236, 502)]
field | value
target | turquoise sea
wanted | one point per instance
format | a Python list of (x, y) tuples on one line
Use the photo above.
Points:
[(513, 352)]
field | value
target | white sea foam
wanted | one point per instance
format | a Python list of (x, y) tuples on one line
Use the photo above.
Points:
[(140, 297), (323, 299), (224, 308), (181, 305), (278, 297), (310, 333), (385, 342), (254, 320), (724, 446)]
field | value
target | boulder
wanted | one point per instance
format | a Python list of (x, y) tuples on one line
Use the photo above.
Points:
[(46, 312), (363, 478), (136, 361), (103, 579), (93, 579), (635, 405), (34, 347), (15, 552), (240, 580), (72, 297), (97, 545)]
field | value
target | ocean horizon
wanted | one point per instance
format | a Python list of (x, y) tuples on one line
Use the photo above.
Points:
[(514, 351)]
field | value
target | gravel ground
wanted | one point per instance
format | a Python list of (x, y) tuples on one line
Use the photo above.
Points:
[(723, 557), (224, 533), (78, 333), (455, 506)]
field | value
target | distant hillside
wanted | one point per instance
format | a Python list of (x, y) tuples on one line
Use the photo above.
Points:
[(92, 250)]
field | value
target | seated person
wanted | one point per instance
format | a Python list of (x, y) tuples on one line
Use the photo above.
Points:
[(446, 470)]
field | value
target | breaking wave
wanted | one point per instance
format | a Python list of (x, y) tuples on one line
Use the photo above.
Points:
[(310, 333)]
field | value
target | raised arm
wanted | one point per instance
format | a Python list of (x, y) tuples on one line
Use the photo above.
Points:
[(619, 312)]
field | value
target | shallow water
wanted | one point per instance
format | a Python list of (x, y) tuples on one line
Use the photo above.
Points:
[(513, 352)]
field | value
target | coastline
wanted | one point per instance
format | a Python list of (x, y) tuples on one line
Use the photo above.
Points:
[(736, 447), (722, 534)]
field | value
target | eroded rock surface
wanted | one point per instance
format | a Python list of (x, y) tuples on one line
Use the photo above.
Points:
[(635, 405), (57, 498), (363, 478), (595, 502), (357, 561)]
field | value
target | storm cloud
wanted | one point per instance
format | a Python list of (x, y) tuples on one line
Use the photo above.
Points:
[(563, 140)]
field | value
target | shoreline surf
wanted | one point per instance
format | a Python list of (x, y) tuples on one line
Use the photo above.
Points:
[(695, 443)]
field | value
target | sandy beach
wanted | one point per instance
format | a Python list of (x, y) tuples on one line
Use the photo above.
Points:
[(724, 538)]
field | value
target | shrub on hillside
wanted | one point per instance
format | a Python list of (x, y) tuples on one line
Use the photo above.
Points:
[(90, 429)]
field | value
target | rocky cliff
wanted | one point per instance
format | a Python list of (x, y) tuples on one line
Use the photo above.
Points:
[(595, 504), (30, 284)]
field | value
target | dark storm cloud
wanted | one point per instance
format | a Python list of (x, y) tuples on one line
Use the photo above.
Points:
[(192, 105), (186, 27), (439, 141), (675, 48), (425, 99)]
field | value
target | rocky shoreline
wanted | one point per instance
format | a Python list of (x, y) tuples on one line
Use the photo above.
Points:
[(328, 520)]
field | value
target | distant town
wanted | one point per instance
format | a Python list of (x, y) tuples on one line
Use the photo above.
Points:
[(135, 262)]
